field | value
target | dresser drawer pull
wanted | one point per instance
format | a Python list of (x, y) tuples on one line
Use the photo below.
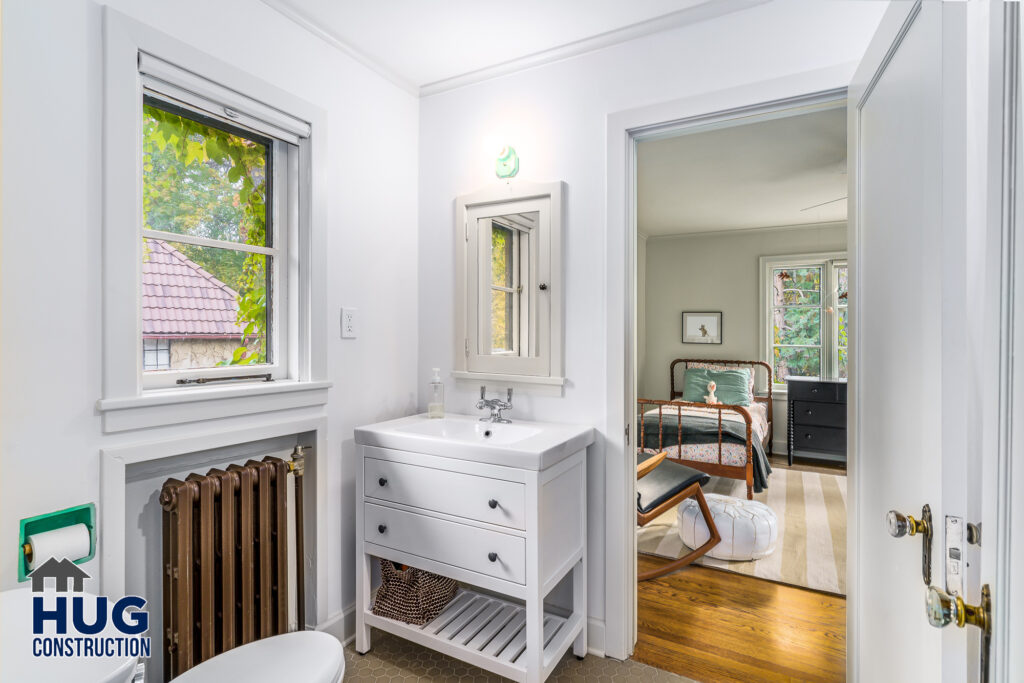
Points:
[(809, 412), (381, 528), (493, 557), (808, 436), (383, 481), (814, 390), (492, 503)]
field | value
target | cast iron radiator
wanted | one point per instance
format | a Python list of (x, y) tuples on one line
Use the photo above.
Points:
[(225, 559)]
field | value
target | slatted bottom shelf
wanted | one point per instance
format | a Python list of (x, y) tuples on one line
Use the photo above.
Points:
[(483, 630)]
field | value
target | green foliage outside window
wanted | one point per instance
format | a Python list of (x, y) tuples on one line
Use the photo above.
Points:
[(205, 182)]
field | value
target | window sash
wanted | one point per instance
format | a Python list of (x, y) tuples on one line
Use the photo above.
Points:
[(283, 219)]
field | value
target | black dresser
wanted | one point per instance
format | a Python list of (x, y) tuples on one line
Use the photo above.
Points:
[(817, 418)]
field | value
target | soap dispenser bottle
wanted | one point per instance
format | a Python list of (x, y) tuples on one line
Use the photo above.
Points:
[(435, 405)]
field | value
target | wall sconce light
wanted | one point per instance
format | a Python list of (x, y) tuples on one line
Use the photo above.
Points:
[(507, 165)]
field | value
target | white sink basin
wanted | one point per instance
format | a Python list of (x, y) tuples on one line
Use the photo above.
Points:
[(471, 432), (529, 445)]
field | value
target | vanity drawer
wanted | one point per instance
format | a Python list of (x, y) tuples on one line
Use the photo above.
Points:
[(455, 493), (819, 439), (459, 545), (821, 414)]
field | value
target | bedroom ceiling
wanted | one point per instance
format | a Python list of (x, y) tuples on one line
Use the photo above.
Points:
[(423, 44), (756, 175)]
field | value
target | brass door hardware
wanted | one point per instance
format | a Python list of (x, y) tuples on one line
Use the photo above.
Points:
[(905, 525), (974, 533), (944, 609)]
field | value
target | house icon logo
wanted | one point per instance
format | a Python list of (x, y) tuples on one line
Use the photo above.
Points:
[(63, 572), (68, 622)]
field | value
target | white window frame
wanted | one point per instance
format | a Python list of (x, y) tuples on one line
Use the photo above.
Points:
[(827, 261), (538, 324), (137, 57)]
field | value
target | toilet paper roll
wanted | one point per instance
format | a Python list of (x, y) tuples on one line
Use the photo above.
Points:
[(71, 542)]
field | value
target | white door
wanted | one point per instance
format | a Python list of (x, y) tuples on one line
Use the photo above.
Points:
[(921, 337)]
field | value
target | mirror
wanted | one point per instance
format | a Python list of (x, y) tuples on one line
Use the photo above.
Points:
[(508, 289)]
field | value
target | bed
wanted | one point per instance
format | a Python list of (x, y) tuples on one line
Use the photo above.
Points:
[(722, 440)]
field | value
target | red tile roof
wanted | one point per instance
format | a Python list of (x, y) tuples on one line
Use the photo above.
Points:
[(180, 299)]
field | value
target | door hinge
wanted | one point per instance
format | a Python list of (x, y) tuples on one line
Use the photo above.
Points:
[(465, 229), (627, 434), (467, 346)]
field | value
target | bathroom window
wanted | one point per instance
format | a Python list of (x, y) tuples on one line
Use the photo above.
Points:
[(218, 187), (214, 236), (508, 299), (210, 259)]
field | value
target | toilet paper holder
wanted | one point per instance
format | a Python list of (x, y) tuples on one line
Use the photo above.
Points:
[(80, 514)]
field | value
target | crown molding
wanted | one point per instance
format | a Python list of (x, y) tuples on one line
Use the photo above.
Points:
[(747, 231), (701, 10), (289, 12)]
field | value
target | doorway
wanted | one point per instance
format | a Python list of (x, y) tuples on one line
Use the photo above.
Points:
[(742, 274)]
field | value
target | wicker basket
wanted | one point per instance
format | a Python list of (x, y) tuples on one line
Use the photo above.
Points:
[(412, 596)]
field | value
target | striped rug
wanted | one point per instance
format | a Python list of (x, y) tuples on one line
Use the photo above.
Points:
[(811, 550)]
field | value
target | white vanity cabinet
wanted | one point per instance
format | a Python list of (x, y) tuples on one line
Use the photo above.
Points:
[(508, 525)]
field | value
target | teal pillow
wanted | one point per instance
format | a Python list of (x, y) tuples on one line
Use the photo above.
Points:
[(733, 386)]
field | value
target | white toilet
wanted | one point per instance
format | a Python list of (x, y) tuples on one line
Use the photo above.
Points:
[(300, 657)]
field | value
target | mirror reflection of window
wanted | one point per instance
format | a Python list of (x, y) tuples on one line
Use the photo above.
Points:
[(508, 303)]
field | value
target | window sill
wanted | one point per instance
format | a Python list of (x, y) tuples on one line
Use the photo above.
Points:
[(162, 407)]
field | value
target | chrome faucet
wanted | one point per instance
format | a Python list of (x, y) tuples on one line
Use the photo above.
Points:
[(496, 405)]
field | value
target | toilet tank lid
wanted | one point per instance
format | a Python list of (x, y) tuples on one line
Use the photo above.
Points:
[(309, 656)]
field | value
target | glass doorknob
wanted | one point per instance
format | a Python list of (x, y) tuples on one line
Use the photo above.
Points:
[(940, 608), (943, 609)]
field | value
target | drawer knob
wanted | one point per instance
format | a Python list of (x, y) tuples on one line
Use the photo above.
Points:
[(814, 390), (381, 528), (383, 481), (493, 557), (807, 436), (810, 412), (492, 503)]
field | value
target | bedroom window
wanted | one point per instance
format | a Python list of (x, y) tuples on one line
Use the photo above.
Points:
[(805, 315)]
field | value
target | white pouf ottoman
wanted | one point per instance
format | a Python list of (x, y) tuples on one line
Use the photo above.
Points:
[(748, 528)]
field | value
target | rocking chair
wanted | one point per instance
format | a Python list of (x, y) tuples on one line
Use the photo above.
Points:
[(662, 485)]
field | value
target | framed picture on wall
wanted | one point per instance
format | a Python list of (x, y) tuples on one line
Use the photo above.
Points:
[(702, 327)]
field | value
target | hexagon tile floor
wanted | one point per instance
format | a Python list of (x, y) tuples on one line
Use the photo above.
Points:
[(394, 659)]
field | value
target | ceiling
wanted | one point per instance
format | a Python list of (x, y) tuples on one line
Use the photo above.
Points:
[(424, 45), (755, 175)]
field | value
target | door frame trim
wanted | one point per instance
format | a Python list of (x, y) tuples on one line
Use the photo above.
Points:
[(1005, 147), (625, 129)]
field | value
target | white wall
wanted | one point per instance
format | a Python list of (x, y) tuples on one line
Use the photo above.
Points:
[(717, 272), (556, 117), (50, 269)]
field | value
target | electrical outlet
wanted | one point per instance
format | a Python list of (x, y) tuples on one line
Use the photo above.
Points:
[(348, 323)]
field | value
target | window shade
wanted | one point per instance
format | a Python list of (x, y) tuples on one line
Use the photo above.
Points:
[(224, 103)]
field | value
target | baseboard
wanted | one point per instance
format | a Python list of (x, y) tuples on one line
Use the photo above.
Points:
[(596, 637), (340, 623)]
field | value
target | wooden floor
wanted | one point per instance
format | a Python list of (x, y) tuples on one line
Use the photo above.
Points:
[(712, 625)]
